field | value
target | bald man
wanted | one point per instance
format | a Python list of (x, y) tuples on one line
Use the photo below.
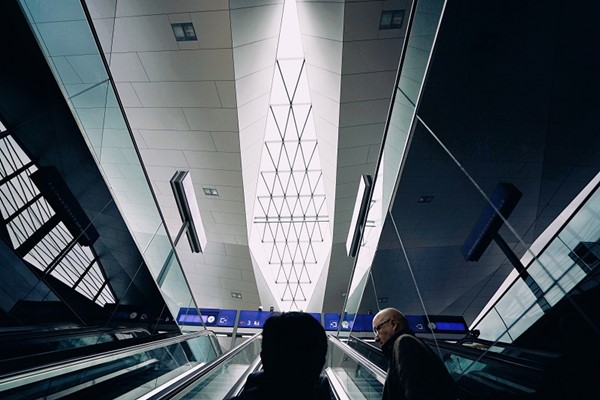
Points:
[(415, 371)]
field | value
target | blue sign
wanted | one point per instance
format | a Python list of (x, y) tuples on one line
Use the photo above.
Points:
[(363, 323), (437, 324), (253, 319), (331, 321), (317, 316), (210, 317)]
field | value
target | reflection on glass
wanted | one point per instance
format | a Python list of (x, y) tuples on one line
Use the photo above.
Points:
[(356, 380), (562, 264), (65, 35), (217, 383), (420, 42), (129, 373)]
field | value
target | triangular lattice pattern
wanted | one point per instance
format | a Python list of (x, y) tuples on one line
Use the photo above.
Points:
[(291, 214)]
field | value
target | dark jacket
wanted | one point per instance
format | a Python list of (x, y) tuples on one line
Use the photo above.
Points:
[(259, 387), (415, 372)]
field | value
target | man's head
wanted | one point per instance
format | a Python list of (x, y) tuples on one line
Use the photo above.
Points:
[(294, 346), (386, 323)]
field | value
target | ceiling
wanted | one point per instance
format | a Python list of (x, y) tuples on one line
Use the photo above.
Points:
[(202, 105), (509, 97)]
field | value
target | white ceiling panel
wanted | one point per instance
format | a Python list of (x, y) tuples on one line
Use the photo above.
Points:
[(105, 29), (373, 55), (326, 109), (353, 136), (127, 95), (102, 8), (213, 160), (157, 118), (364, 112), (141, 7), (246, 29), (227, 95), (254, 57), (217, 177), (254, 85), (226, 141), (178, 140), (190, 65), (212, 29), (321, 19), (211, 119), (324, 83), (368, 86), (165, 158), (229, 219), (127, 67), (352, 156), (145, 33), (177, 94), (252, 112), (323, 53)]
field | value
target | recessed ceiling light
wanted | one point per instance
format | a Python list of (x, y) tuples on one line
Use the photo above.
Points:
[(210, 191), (425, 199), (184, 31), (236, 295), (391, 19)]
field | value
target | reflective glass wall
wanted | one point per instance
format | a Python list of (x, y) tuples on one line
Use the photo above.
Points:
[(484, 204), (67, 41)]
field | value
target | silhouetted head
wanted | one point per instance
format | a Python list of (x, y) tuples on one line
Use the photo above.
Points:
[(294, 346), (386, 323)]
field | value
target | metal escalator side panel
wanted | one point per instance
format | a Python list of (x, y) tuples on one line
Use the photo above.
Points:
[(219, 374)]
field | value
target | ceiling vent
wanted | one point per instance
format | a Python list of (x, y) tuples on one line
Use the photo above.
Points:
[(184, 31), (391, 19)]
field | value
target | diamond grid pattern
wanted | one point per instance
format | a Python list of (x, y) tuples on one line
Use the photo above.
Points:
[(291, 215)]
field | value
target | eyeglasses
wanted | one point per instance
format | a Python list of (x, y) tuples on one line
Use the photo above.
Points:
[(378, 327)]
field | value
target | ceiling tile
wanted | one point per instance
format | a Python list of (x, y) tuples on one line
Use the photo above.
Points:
[(226, 141), (178, 140), (212, 29), (211, 119), (145, 33), (191, 65), (177, 94), (127, 67), (157, 118)]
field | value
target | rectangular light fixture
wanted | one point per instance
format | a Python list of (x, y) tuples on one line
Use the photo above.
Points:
[(210, 191), (391, 19), (184, 31), (183, 189), (358, 215)]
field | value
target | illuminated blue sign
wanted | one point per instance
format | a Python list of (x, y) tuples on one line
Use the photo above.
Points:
[(210, 317)]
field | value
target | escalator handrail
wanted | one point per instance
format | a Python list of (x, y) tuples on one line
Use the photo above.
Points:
[(365, 344), (337, 390), (237, 388), (60, 368), (490, 357), (183, 381), (373, 369), (487, 357)]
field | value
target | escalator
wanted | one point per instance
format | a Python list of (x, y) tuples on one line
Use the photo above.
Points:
[(21, 349), (221, 378), (351, 374), (481, 369), (124, 373), (191, 366), (225, 377)]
